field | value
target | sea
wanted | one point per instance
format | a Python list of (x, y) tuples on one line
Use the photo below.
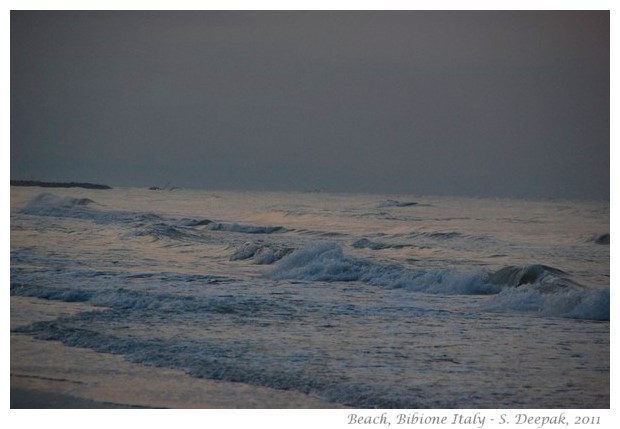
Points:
[(362, 300)]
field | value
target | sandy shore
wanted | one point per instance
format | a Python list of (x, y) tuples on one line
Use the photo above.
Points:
[(47, 374), (27, 398)]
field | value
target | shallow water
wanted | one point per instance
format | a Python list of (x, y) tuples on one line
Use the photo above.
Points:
[(362, 300)]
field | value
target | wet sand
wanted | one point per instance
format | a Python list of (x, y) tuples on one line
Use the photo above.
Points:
[(27, 398), (47, 374)]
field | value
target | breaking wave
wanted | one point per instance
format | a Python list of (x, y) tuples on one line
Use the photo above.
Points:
[(530, 274), (260, 252), (47, 200), (150, 224), (539, 288), (570, 303), (47, 204), (327, 262)]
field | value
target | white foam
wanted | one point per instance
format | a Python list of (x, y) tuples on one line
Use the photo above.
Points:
[(326, 261), (568, 302)]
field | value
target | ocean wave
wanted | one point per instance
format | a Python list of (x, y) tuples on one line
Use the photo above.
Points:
[(588, 304), (364, 243), (229, 226), (47, 204), (547, 291), (326, 261), (211, 358), (396, 203), (534, 287), (161, 231), (122, 299), (601, 239), (437, 235), (194, 222), (261, 253), (51, 293), (245, 229), (423, 239), (214, 357), (530, 274), (51, 201), (322, 234)]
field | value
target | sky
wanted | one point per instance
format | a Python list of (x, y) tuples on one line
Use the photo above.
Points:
[(481, 103)]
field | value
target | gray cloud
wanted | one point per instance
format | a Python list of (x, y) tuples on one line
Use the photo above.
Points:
[(483, 103)]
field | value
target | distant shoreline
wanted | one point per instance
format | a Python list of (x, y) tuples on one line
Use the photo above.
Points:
[(58, 184)]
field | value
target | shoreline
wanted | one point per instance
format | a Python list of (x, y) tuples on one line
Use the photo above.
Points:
[(22, 398), (48, 374)]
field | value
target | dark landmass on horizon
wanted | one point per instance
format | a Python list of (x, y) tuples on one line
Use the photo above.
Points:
[(58, 184)]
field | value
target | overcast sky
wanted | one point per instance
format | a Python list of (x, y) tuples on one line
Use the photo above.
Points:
[(473, 103)]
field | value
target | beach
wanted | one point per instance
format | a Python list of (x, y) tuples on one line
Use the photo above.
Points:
[(47, 374)]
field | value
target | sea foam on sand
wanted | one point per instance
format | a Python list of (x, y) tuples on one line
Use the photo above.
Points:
[(50, 367)]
